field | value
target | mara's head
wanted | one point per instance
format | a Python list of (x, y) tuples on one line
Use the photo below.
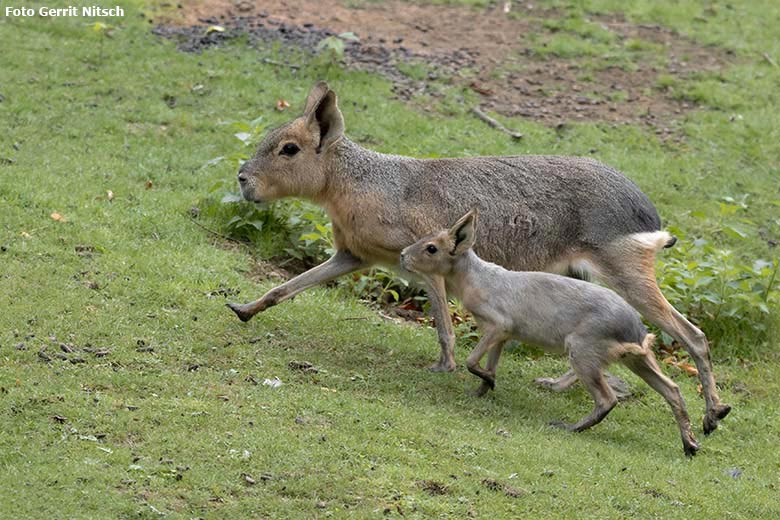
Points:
[(291, 160), (436, 254)]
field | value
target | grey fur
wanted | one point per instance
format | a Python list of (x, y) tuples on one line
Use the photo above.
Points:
[(539, 213), (590, 324)]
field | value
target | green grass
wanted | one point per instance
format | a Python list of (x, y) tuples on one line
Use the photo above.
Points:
[(130, 433)]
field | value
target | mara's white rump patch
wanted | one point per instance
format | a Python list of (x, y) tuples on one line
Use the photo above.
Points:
[(654, 240)]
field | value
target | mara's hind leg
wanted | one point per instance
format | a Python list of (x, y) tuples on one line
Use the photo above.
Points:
[(646, 367), (557, 384), (628, 266), (580, 269), (587, 364), (567, 380)]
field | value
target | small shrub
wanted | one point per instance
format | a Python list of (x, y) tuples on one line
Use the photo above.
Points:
[(728, 297)]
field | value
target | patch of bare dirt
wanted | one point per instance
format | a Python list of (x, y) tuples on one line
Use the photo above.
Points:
[(488, 51)]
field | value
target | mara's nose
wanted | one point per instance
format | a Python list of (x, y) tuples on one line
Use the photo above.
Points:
[(242, 176)]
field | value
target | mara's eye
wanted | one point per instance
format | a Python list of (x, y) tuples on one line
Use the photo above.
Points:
[(431, 249), (290, 149)]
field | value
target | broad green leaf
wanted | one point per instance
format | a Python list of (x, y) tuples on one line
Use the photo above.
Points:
[(244, 137), (735, 231), (232, 197), (349, 36)]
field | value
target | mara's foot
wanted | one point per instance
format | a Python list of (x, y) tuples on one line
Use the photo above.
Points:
[(690, 446), (241, 311), (550, 383), (442, 366), (485, 387), (562, 425), (714, 415)]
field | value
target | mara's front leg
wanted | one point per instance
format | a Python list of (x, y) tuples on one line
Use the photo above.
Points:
[(492, 342), (341, 263), (437, 296)]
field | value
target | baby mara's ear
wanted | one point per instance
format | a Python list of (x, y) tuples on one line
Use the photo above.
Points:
[(463, 233)]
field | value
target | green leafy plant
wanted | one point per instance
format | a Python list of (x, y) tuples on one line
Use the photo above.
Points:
[(717, 289), (240, 219), (311, 232), (249, 133), (332, 47)]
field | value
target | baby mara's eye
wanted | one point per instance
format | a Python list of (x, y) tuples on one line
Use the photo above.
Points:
[(431, 249), (289, 149)]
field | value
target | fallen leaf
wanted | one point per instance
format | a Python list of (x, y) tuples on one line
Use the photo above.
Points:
[(282, 104), (215, 28), (248, 479), (110, 195), (688, 368), (148, 185), (58, 217), (25, 234), (479, 89)]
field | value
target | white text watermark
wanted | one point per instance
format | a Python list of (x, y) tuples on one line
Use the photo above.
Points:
[(93, 11)]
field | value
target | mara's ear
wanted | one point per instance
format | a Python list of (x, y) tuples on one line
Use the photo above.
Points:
[(325, 118), (463, 233), (316, 94)]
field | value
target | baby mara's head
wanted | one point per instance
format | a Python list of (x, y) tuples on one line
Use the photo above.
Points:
[(435, 254)]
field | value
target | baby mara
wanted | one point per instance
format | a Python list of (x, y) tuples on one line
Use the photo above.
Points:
[(589, 323)]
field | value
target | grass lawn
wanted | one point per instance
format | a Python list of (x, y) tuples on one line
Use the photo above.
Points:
[(159, 408)]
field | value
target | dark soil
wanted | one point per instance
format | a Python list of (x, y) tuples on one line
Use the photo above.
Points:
[(488, 51)]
